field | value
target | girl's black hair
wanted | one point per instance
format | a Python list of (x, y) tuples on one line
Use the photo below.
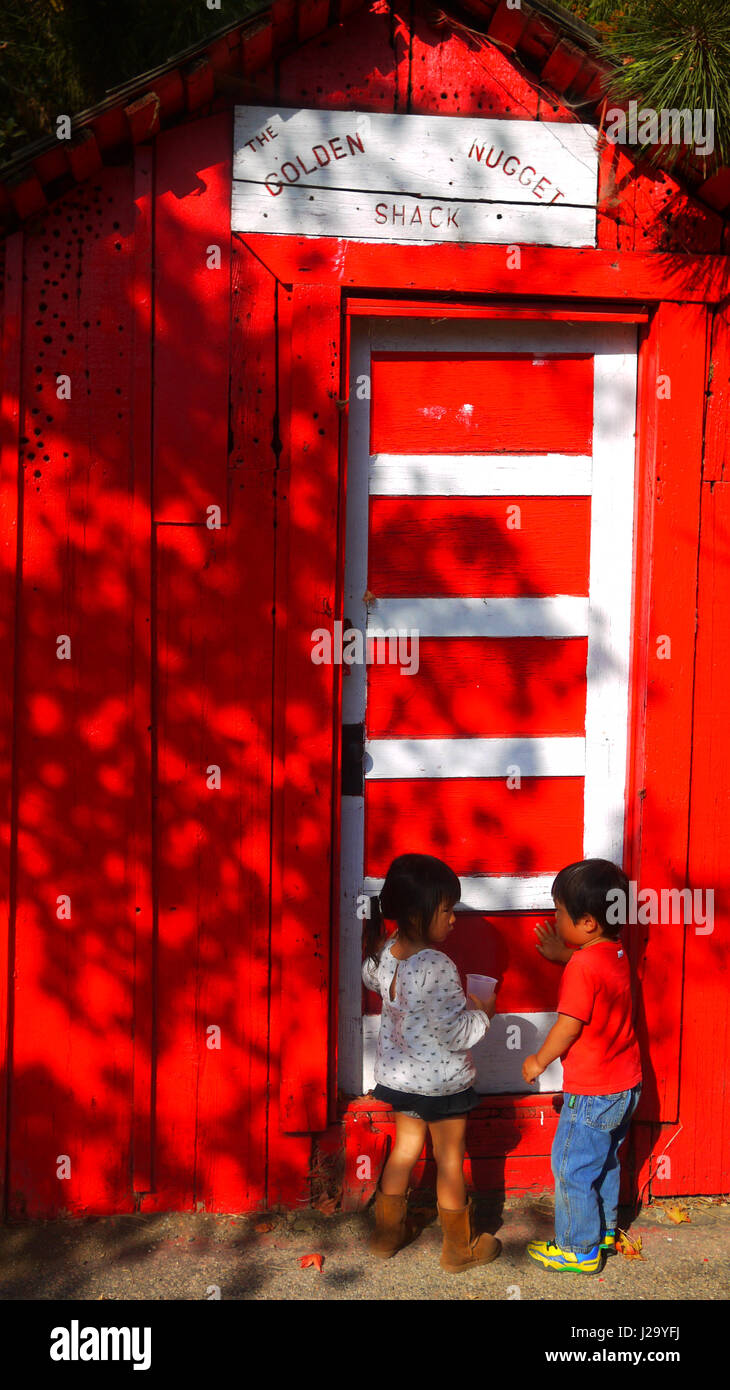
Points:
[(582, 888), (415, 887)]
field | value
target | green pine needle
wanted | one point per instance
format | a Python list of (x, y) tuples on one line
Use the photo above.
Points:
[(670, 55)]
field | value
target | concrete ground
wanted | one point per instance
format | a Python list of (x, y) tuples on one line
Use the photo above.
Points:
[(203, 1256)]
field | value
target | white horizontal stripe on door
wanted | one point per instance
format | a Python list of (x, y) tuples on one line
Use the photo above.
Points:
[(474, 757), (498, 1066), (495, 892), (480, 475), (493, 336), (561, 616)]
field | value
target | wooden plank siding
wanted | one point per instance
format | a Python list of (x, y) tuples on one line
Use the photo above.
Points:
[(192, 320), (674, 397), (141, 559), (11, 530), (173, 1041), (70, 1110), (704, 1095)]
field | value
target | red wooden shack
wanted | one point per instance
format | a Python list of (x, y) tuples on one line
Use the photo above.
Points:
[(288, 349)]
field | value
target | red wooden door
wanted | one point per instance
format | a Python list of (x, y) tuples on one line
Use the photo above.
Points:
[(489, 526)]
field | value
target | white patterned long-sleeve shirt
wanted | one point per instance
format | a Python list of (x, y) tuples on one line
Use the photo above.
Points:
[(427, 1030)]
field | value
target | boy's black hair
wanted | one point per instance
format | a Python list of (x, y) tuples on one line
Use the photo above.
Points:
[(415, 887), (582, 888)]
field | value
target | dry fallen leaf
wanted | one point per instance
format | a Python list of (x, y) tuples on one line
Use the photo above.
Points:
[(316, 1260), (262, 1226), (631, 1249), (677, 1214), (326, 1205)]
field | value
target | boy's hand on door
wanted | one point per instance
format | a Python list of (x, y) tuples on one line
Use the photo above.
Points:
[(550, 944)]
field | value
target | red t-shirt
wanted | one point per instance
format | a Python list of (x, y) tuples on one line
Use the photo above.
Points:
[(596, 988)]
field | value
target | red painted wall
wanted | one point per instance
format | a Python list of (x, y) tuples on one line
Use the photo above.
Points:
[(185, 906)]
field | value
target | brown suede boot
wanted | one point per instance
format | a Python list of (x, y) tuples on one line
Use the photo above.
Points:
[(393, 1229), (462, 1248)]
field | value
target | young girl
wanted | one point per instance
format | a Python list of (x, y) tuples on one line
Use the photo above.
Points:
[(423, 1067)]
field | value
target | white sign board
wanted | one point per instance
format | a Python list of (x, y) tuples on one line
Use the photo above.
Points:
[(413, 178)]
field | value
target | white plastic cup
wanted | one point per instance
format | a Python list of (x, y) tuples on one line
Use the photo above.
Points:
[(483, 986)]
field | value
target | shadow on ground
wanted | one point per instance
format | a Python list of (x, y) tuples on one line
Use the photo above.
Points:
[(258, 1257)]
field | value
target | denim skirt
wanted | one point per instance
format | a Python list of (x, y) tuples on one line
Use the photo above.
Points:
[(428, 1107)]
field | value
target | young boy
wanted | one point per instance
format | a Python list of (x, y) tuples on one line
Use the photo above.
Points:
[(594, 1036)]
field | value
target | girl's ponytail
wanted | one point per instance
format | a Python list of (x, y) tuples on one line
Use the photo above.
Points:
[(374, 930)]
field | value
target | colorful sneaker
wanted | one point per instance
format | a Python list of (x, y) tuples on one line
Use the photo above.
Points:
[(608, 1243), (547, 1253)]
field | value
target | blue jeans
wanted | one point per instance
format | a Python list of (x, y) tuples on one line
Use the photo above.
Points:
[(586, 1166)]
